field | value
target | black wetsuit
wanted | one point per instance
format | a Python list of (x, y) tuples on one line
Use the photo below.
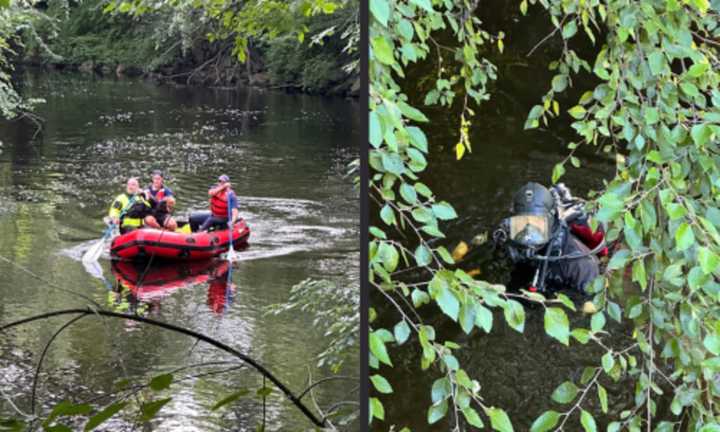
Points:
[(566, 274)]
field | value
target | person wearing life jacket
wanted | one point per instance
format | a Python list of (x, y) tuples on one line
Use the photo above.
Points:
[(130, 208), (162, 200), (549, 241), (223, 205)]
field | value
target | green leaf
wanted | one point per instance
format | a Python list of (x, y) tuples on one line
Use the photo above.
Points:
[(708, 260), (103, 415), (451, 362), (559, 83), (423, 4), (515, 315), (161, 382), (393, 163), (388, 256), (499, 420), (581, 335), (651, 115), (387, 214), (483, 318), (545, 422), (381, 384), (422, 256), (697, 69), (150, 409), (411, 112), (577, 112), (377, 348), (447, 301), (701, 134), (684, 237), (423, 190), (441, 390), (67, 408), (619, 259), (588, 422), (437, 412), (472, 417), (401, 332), (380, 10), (565, 392), (712, 343), (419, 297), (608, 361), (376, 135), (557, 325), (417, 139), (603, 397), (444, 211), (569, 30), (558, 171), (597, 322), (376, 409), (657, 62), (467, 317), (229, 399), (383, 50)]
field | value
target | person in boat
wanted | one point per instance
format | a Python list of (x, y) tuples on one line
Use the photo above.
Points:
[(549, 241), (162, 200), (223, 205), (129, 209)]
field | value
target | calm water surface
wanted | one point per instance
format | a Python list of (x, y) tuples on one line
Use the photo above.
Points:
[(286, 156)]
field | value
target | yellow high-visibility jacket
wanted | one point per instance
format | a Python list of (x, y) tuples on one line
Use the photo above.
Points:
[(130, 209)]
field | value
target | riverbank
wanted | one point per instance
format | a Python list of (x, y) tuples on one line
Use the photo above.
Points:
[(224, 75), (183, 46)]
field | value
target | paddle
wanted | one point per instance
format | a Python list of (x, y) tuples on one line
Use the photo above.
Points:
[(231, 255), (94, 252)]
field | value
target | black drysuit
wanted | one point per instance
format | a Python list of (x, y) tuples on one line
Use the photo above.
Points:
[(566, 274)]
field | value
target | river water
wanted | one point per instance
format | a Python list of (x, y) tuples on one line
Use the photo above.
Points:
[(518, 372), (286, 156)]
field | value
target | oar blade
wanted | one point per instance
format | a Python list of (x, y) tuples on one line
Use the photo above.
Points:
[(94, 252)]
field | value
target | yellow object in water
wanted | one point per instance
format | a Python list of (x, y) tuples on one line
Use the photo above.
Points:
[(460, 251), (474, 272), (185, 229), (589, 307)]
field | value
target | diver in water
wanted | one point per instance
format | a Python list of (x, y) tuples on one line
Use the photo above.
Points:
[(549, 241)]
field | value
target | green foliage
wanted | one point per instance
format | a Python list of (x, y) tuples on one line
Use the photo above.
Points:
[(17, 18), (400, 35), (334, 309), (656, 105)]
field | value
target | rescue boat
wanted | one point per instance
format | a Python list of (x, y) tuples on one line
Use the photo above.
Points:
[(145, 243)]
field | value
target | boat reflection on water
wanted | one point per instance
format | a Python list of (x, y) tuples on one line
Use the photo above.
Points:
[(144, 287)]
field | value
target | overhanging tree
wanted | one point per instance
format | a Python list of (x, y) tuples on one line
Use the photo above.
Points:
[(656, 108)]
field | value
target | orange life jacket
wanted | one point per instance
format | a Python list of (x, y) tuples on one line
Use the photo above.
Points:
[(219, 204)]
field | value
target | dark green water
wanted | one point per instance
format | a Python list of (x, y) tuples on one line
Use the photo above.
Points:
[(286, 156), (518, 372)]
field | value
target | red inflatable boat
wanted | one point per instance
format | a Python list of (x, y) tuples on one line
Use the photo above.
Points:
[(144, 243)]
